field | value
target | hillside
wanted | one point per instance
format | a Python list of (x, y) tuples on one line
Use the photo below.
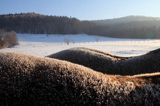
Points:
[(124, 27), (126, 19), (130, 26), (36, 23)]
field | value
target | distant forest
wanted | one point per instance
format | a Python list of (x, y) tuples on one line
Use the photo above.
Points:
[(125, 27)]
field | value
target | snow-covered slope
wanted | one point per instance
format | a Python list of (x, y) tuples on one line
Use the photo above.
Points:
[(42, 44)]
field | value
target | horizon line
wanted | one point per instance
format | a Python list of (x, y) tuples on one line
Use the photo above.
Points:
[(13, 13)]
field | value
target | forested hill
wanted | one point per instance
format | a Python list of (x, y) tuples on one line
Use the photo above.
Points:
[(131, 27), (125, 27), (36, 23)]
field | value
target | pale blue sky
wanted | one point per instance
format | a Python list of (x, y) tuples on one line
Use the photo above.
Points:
[(83, 9)]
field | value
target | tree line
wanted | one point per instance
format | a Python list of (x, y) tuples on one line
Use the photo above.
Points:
[(45, 24)]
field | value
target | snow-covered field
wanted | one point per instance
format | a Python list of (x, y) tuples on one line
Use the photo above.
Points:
[(43, 44)]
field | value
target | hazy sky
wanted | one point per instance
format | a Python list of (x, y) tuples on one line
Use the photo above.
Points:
[(83, 9)]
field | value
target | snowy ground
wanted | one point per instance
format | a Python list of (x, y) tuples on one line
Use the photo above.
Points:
[(43, 45)]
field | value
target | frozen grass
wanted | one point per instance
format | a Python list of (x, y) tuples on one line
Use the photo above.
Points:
[(111, 64), (31, 80)]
